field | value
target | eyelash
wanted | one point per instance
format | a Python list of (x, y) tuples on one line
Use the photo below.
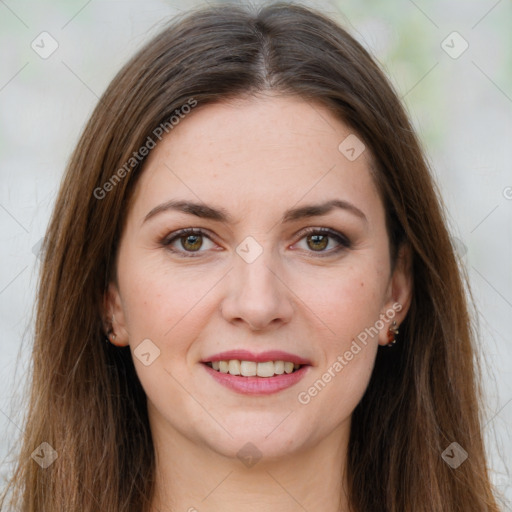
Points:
[(344, 242)]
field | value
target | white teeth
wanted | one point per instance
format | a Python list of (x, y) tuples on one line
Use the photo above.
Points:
[(279, 367), (265, 369), (288, 367), (248, 368), (251, 368), (234, 367)]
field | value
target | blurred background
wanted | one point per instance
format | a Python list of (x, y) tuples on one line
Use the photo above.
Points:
[(450, 61)]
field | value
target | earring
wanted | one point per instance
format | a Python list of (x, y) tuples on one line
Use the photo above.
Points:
[(392, 332), (111, 335)]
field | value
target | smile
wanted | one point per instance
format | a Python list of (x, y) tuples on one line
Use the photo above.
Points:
[(249, 381), (254, 369)]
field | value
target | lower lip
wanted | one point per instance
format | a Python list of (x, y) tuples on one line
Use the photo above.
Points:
[(258, 385)]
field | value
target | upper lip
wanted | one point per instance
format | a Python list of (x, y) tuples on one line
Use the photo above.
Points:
[(245, 355)]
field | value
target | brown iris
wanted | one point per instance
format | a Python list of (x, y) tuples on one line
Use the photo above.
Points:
[(191, 242), (320, 241)]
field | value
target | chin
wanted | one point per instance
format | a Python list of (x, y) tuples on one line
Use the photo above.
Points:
[(268, 440)]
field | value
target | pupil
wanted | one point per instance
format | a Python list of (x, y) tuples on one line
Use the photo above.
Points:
[(319, 240)]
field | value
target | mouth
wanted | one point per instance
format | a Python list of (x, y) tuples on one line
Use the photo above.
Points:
[(249, 373), (254, 379), (244, 368)]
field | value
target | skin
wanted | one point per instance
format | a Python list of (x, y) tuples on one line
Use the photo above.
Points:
[(255, 158)]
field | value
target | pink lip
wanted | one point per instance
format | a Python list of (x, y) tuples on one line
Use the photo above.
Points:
[(257, 385), (245, 355)]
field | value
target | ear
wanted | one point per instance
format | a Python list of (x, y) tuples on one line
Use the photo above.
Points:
[(399, 293), (115, 321)]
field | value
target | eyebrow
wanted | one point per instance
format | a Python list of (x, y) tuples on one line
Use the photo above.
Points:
[(220, 214)]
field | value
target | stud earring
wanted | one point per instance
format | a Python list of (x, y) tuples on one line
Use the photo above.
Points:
[(111, 335), (392, 332)]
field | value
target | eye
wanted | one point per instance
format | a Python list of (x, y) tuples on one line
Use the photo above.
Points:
[(189, 241), (319, 239)]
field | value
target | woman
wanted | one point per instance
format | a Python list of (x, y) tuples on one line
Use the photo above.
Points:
[(249, 298)]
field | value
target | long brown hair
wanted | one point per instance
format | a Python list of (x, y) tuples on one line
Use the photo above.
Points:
[(424, 392)]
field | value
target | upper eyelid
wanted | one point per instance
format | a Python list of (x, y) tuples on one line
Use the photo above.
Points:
[(171, 237), (208, 233)]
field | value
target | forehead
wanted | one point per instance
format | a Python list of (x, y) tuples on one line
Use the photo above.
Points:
[(265, 153)]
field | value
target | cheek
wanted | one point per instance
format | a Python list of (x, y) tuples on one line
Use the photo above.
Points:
[(346, 312), (345, 300), (159, 303), (347, 304)]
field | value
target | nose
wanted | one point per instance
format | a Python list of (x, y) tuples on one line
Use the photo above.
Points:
[(257, 294)]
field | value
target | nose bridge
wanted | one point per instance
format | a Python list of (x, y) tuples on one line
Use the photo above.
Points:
[(253, 266), (257, 295)]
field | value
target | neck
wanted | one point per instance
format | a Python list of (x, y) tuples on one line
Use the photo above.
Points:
[(194, 478)]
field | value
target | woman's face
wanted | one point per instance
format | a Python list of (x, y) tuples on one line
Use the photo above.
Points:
[(270, 268)]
